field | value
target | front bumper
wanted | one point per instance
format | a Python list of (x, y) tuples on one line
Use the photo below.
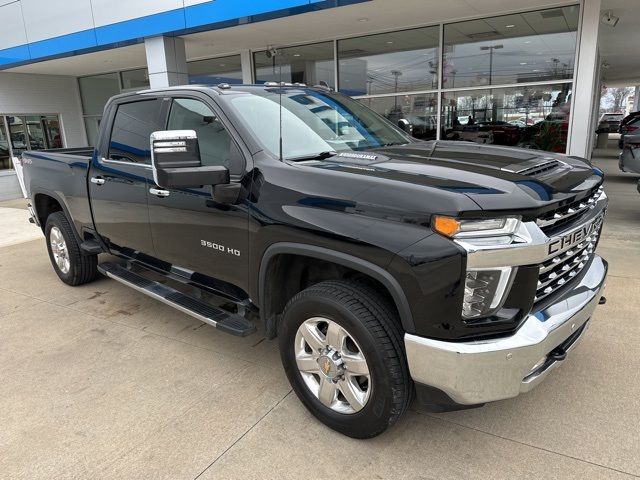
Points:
[(487, 370)]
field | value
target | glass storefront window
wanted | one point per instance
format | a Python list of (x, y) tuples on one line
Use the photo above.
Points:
[(96, 90), (518, 48), (389, 62), (309, 64), (28, 132), (17, 135), (214, 71), (534, 116), (5, 156), (418, 111), (135, 79)]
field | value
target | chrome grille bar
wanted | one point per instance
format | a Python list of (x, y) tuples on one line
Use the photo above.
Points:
[(558, 270), (566, 213)]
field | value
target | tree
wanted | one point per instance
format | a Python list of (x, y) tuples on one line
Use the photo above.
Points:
[(614, 98)]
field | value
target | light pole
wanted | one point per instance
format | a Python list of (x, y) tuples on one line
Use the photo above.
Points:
[(396, 74), (491, 48)]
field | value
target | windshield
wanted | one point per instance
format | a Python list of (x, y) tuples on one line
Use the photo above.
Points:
[(313, 122)]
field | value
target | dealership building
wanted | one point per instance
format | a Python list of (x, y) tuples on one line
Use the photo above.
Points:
[(519, 72)]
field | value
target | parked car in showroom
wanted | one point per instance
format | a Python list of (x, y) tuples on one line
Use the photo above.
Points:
[(629, 159), (388, 268), (630, 125), (609, 122)]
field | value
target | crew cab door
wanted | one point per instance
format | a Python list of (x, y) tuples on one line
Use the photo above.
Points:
[(120, 174), (190, 228)]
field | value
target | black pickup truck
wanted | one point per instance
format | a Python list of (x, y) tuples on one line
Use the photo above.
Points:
[(388, 268)]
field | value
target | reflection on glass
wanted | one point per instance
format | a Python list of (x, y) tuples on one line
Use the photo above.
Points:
[(518, 48), (96, 90), (135, 79), (304, 122), (389, 62), (419, 112), (214, 71), (17, 135), (528, 117), (5, 156), (309, 64)]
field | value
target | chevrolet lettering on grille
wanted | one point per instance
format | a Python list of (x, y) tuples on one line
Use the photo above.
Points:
[(560, 244)]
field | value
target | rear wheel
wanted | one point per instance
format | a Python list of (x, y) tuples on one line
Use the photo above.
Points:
[(341, 347), (65, 254)]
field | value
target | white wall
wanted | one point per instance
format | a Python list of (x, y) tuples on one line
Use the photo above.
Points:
[(24, 93)]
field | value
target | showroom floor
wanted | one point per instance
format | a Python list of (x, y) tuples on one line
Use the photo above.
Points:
[(102, 382)]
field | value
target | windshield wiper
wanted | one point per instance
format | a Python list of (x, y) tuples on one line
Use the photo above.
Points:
[(312, 156)]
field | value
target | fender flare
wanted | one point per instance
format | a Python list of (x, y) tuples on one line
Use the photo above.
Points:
[(36, 191), (340, 258)]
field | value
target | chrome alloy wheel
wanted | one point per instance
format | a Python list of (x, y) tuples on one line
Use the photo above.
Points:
[(332, 365), (59, 250)]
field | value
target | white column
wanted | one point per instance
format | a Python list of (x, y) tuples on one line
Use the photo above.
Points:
[(247, 66), (166, 61), (586, 80), (636, 98)]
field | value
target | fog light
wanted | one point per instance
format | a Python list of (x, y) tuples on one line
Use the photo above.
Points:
[(485, 291)]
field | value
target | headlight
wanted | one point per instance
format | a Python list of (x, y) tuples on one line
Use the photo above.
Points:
[(485, 291), (490, 231)]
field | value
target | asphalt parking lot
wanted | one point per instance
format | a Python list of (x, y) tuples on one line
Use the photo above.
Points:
[(100, 381)]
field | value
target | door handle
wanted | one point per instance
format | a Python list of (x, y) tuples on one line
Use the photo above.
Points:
[(97, 180), (158, 192)]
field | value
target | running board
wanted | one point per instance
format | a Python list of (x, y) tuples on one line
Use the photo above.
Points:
[(227, 322)]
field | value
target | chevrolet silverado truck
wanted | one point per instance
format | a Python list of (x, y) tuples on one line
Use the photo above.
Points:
[(389, 268)]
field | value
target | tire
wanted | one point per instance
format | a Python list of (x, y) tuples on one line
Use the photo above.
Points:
[(372, 330), (70, 264)]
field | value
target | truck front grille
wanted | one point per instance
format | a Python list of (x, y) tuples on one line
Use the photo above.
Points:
[(569, 213), (558, 270)]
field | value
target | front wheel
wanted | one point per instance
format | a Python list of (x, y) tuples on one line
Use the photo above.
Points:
[(71, 265), (341, 347)]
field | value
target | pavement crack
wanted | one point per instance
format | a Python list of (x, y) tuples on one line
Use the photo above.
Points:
[(243, 435), (524, 444)]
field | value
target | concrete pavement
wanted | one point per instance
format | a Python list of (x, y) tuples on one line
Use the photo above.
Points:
[(100, 381)]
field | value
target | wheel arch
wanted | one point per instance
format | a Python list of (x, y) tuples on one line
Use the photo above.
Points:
[(364, 267), (46, 203)]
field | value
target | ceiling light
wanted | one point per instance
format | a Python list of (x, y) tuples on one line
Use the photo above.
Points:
[(510, 26), (390, 42), (523, 63), (296, 54), (528, 41), (363, 20)]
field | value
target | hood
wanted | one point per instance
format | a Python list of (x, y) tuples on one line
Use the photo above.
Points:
[(495, 178)]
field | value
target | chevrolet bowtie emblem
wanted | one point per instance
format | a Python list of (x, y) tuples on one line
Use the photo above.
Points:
[(326, 366)]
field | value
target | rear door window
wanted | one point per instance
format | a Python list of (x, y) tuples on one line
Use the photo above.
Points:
[(132, 128)]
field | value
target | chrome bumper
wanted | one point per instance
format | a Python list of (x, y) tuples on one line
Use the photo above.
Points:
[(484, 371)]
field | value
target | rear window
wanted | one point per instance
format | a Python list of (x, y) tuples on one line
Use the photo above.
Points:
[(132, 128)]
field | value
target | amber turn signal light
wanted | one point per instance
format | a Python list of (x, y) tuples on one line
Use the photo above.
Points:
[(446, 226)]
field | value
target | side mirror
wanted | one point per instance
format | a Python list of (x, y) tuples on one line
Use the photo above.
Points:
[(405, 125), (175, 159)]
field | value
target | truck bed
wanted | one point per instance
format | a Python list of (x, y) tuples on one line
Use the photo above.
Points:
[(60, 173)]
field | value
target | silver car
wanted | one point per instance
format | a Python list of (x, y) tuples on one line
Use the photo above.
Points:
[(629, 160)]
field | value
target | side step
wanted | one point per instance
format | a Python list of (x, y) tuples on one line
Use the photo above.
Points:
[(222, 320)]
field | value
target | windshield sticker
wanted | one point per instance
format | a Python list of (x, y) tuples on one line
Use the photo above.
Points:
[(361, 156)]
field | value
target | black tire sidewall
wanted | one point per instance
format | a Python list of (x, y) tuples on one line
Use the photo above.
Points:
[(54, 221), (374, 417)]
